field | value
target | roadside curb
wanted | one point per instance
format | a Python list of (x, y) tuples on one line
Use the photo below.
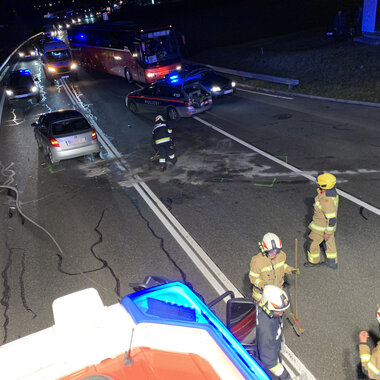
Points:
[(286, 93)]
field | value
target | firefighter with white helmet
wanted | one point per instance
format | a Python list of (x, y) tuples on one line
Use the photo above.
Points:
[(323, 225), (270, 313), (370, 361), (269, 267), (163, 142)]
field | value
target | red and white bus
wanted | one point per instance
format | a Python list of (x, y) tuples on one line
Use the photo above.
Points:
[(126, 50)]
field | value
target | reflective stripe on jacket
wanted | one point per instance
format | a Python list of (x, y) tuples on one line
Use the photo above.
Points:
[(267, 271), (370, 362), (325, 212)]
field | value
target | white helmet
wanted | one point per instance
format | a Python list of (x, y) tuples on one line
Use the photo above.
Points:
[(274, 298), (271, 243), (378, 313), (159, 118)]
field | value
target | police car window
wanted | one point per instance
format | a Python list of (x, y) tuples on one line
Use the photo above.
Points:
[(151, 90), (165, 91)]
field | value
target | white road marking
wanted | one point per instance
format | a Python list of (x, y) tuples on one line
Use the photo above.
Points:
[(205, 265), (288, 166), (265, 94)]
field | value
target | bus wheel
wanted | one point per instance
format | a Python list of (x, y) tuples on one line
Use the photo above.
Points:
[(173, 113), (128, 76), (132, 106)]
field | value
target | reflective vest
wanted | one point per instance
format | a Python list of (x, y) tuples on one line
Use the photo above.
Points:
[(325, 212), (161, 133)]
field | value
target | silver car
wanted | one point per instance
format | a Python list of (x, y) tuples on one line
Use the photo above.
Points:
[(65, 134)]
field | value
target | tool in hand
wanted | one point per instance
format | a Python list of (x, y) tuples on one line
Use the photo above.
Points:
[(293, 318)]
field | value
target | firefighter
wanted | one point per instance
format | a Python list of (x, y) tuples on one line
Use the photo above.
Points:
[(269, 330), (163, 142), (370, 362), (324, 221), (268, 267)]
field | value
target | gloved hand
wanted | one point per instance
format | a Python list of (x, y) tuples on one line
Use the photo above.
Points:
[(296, 271)]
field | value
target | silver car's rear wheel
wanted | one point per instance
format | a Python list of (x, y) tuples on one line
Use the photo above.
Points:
[(173, 113)]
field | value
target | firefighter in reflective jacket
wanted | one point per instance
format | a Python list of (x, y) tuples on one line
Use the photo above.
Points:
[(269, 330), (370, 362), (163, 143), (269, 267), (324, 222)]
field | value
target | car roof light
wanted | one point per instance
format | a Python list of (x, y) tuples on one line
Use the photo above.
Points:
[(24, 72)]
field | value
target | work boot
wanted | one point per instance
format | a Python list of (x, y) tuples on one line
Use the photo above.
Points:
[(174, 160), (311, 265), (332, 265), (162, 168)]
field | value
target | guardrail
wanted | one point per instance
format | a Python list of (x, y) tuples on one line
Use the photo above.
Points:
[(15, 50), (244, 74)]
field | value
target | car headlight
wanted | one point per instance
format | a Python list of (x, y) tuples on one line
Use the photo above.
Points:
[(21, 54), (34, 89), (51, 69), (233, 84), (74, 66), (9, 92), (215, 89), (33, 53), (179, 67)]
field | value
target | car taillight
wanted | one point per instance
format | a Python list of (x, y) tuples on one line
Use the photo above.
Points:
[(188, 103), (93, 134), (54, 142)]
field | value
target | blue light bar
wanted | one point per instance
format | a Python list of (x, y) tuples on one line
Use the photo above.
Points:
[(25, 72), (176, 304)]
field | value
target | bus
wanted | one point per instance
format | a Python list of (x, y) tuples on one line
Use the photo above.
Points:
[(126, 49)]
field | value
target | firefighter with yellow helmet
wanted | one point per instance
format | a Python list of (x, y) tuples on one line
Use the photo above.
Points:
[(324, 222), (269, 267), (370, 361)]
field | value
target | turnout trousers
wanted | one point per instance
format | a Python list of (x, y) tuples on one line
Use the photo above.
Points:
[(166, 151), (314, 253)]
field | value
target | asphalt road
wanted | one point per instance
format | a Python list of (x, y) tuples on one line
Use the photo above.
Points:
[(225, 194)]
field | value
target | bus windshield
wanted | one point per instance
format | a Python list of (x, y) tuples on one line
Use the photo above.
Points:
[(57, 55), (159, 47)]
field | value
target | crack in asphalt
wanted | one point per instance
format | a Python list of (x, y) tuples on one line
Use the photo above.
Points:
[(6, 292), (135, 203), (103, 261), (22, 287)]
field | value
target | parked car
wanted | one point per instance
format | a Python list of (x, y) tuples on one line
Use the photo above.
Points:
[(65, 134), (21, 85), (173, 96), (209, 79)]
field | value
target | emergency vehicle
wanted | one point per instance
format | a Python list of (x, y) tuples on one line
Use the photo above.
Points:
[(57, 60), (126, 49), (160, 332)]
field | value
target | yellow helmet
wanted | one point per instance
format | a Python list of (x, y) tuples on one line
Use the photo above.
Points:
[(326, 181)]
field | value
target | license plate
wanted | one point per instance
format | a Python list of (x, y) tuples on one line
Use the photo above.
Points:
[(228, 92), (65, 76), (76, 141)]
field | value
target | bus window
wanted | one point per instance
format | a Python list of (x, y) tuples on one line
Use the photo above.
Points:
[(159, 48)]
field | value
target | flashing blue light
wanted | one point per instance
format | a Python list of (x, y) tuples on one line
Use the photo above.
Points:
[(173, 77), (55, 39), (175, 303), (82, 36), (25, 72)]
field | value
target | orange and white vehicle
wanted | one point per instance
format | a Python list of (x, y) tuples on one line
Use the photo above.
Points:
[(126, 50), (161, 332), (57, 60)]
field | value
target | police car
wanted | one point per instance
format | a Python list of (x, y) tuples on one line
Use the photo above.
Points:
[(22, 85), (174, 96)]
